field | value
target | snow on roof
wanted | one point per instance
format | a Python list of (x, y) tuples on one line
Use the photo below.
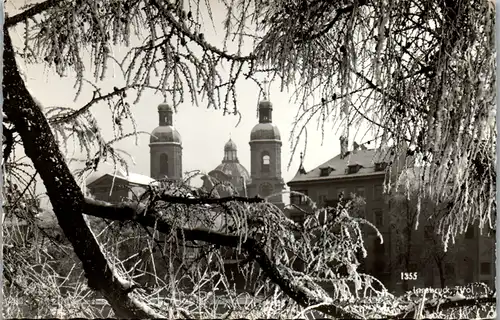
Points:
[(364, 158), (139, 179), (133, 178)]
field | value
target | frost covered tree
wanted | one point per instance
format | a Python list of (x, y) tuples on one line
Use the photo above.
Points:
[(419, 72), (412, 225)]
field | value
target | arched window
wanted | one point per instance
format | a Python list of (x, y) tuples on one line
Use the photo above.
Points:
[(163, 165), (266, 161)]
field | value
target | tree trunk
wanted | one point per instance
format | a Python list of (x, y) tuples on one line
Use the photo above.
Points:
[(64, 193)]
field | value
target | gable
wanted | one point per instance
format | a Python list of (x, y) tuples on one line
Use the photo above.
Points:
[(106, 180)]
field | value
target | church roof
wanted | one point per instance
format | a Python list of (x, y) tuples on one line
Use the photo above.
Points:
[(165, 107), (230, 146), (265, 131), (165, 134), (234, 169)]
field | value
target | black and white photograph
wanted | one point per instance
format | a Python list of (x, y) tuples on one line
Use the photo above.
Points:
[(249, 159)]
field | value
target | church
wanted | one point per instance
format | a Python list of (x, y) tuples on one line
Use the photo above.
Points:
[(265, 177)]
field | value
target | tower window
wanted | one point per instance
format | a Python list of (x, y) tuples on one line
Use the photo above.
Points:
[(163, 165), (266, 162), (265, 115)]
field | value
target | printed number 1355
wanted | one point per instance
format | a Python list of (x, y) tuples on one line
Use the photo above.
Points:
[(408, 276)]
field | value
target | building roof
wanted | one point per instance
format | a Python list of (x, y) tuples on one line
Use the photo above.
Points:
[(265, 131), (233, 169), (165, 134), (165, 107), (230, 146), (230, 166), (132, 178), (366, 159)]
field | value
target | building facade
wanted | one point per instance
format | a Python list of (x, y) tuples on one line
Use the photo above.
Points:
[(362, 173)]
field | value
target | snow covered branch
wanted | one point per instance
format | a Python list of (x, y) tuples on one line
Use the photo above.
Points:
[(152, 218), (445, 303), (31, 12)]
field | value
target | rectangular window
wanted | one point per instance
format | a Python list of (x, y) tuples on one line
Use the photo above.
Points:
[(485, 268), (378, 217), (325, 172), (377, 192), (298, 199), (353, 168), (360, 192)]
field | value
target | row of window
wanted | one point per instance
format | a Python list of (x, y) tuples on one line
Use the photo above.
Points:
[(351, 169), (322, 198)]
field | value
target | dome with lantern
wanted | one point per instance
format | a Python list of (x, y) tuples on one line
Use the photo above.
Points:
[(165, 132), (265, 129), (231, 169)]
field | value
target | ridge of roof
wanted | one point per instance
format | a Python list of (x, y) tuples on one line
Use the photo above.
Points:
[(366, 159)]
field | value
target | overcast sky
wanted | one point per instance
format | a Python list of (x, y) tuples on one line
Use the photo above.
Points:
[(204, 132)]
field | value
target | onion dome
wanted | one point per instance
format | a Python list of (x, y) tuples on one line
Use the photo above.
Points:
[(265, 129), (230, 146), (231, 166)]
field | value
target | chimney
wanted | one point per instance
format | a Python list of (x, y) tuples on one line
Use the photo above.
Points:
[(343, 146)]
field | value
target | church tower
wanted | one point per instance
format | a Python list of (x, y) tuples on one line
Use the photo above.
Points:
[(265, 153), (166, 147)]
